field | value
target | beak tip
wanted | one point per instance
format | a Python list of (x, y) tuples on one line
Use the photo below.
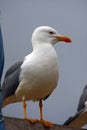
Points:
[(68, 40)]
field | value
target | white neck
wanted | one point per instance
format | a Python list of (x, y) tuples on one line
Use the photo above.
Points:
[(45, 47)]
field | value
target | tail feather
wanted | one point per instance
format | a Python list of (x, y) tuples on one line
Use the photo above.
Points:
[(10, 100)]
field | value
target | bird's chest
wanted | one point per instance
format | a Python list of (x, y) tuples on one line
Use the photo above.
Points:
[(42, 69), (39, 77)]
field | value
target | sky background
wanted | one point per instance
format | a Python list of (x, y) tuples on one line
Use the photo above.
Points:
[(69, 17)]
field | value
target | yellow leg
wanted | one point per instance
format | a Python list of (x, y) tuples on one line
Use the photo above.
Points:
[(46, 123), (41, 112), (25, 113), (24, 106)]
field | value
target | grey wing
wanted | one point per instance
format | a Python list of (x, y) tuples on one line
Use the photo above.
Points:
[(13, 68), (83, 99), (11, 80)]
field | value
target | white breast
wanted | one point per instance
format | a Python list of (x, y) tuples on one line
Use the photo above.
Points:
[(39, 75)]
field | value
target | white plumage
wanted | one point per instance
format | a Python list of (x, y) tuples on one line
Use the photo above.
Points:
[(37, 76)]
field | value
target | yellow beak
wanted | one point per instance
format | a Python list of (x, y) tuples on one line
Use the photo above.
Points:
[(64, 38)]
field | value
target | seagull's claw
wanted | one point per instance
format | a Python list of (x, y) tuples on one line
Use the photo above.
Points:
[(32, 120), (47, 123)]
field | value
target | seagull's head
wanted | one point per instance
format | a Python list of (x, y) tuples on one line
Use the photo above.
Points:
[(46, 34)]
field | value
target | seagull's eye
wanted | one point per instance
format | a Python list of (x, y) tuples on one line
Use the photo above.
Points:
[(51, 32)]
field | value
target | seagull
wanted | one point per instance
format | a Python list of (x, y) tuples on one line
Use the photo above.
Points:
[(37, 75), (83, 100)]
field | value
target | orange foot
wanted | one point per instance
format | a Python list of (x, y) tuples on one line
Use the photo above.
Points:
[(47, 123), (32, 120)]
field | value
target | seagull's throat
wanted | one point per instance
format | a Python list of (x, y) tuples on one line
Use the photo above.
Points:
[(41, 45)]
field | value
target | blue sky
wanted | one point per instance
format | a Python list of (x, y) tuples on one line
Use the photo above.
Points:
[(18, 19)]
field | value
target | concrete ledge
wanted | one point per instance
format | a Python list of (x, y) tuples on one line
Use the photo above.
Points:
[(21, 124)]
